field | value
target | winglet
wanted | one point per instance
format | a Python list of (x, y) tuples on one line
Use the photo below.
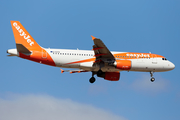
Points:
[(93, 37), (62, 70)]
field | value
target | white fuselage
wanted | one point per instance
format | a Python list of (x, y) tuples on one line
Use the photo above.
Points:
[(76, 59)]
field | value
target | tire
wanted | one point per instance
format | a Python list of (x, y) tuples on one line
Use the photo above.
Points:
[(92, 80), (152, 79)]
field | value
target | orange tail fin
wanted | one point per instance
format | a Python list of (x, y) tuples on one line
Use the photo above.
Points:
[(23, 38)]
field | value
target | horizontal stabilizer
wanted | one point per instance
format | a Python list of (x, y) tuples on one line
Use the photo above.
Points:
[(22, 49)]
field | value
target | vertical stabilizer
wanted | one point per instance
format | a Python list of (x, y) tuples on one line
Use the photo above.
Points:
[(23, 38)]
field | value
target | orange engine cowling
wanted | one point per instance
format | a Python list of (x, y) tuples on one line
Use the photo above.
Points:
[(123, 64), (112, 76)]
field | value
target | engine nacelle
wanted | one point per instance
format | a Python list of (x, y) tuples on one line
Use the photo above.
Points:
[(123, 64), (111, 76)]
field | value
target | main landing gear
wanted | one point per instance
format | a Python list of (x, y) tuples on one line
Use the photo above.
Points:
[(152, 78), (99, 72), (92, 79)]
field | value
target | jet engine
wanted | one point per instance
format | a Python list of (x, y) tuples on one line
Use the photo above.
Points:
[(123, 64), (111, 76)]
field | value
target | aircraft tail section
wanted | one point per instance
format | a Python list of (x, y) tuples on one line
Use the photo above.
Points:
[(24, 41), (27, 47)]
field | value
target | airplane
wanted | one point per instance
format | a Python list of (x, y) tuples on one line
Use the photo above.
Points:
[(100, 61)]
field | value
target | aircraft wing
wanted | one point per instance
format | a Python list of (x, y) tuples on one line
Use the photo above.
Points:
[(100, 50)]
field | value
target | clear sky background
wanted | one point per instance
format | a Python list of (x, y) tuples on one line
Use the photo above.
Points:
[(32, 91)]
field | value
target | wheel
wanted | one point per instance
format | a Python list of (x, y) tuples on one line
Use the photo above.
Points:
[(92, 80), (152, 79)]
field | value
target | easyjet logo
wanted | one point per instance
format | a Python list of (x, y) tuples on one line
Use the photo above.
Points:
[(22, 33), (138, 55)]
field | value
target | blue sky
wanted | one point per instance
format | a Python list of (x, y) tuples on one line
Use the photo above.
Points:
[(40, 91)]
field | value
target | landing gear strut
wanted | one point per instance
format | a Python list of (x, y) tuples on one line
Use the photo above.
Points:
[(99, 72), (152, 78)]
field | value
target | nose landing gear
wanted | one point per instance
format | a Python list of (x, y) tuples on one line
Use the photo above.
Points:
[(152, 78)]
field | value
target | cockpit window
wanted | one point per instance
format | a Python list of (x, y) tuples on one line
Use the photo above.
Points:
[(164, 59)]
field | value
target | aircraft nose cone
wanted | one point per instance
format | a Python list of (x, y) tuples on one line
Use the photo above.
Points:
[(171, 66)]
